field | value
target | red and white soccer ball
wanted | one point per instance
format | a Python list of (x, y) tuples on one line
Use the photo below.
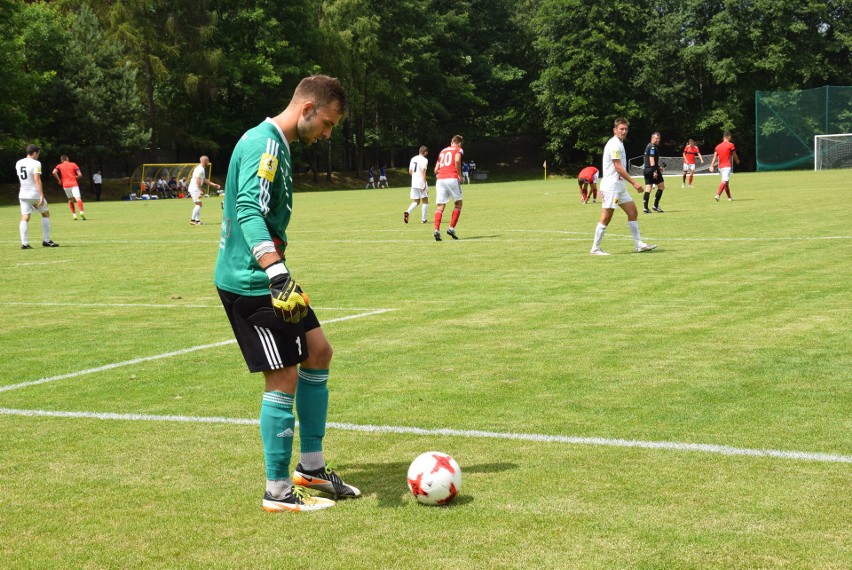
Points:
[(434, 478)]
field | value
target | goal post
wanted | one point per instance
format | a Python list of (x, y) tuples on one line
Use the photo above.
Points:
[(833, 151), (167, 170), (672, 165)]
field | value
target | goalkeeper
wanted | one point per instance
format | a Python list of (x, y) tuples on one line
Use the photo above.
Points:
[(275, 326)]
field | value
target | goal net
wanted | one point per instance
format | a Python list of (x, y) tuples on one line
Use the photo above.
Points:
[(832, 151), (151, 173), (672, 165)]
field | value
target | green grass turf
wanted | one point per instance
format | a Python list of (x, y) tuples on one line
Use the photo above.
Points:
[(734, 332)]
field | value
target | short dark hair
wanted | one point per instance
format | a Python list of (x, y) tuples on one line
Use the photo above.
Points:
[(323, 91), (726, 134), (620, 121), (458, 139), (423, 149), (657, 133), (32, 149)]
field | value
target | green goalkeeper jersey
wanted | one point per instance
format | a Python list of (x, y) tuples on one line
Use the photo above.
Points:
[(257, 208)]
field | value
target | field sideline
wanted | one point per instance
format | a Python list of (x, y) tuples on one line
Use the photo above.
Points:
[(685, 408)]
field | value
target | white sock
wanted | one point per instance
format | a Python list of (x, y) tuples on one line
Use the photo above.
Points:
[(24, 227), (196, 213), (45, 228), (312, 460), (411, 207), (634, 231), (278, 487), (599, 234), (425, 211)]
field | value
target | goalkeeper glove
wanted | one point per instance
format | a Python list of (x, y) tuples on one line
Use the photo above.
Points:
[(289, 302)]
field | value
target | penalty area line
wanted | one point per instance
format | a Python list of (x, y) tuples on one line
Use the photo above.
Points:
[(161, 356), (539, 438)]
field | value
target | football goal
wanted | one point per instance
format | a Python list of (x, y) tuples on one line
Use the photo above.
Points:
[(832, 151), (672, 165), (153, 172)]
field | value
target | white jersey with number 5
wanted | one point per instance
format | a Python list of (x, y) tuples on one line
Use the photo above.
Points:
[(26, 169), (613, 151)]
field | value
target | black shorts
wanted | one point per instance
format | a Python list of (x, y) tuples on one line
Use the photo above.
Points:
[(652, 176), (267, 342)]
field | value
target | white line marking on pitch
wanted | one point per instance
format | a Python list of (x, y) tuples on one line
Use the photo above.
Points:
[(164, 306), (160, 356), (43, 262), (542, 438)]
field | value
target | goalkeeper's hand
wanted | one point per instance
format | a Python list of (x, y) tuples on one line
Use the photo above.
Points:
[(289, 302)]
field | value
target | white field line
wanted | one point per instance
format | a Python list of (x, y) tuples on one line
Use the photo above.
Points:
[(539, 438), (168, 306), (42, 263), (159, 356)]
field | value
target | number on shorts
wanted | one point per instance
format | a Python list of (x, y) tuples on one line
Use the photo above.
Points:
[(299, 345)]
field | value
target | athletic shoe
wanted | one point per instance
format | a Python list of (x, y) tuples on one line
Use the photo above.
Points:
[(584, 201), (295, 500), (452, 233), (326, 480), (437, 235), (26, 246), (424, 221), (645, 247), (657, 209), (646, 210), (682, 186), (730, 199), (598, 252), (193, 223), (82, 215), (74, 217), (717, 198), (691, 186), (594, 200), (405, 217), (49, 243)]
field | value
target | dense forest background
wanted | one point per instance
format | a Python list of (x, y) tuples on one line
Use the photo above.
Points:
[(117, 83)]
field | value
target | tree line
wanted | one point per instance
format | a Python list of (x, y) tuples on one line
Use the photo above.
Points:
[(114, 82)]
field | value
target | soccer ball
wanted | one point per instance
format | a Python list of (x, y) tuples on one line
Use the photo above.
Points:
[(434, 478)]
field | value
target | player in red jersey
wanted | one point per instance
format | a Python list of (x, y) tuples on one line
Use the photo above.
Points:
[(67, 173), (724, 152), (588, 177), (690, 153), (448, 171)]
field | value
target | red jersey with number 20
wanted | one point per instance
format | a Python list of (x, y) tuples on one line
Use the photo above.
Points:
[(447, 162)]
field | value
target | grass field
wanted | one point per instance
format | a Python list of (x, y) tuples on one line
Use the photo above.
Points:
[(686, 408)]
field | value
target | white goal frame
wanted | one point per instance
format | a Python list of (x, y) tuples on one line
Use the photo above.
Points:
[(821, 145)]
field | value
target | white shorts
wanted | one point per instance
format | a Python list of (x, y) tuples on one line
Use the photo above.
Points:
[(419, 193), (196, 194), (449, 190), (726, 173), (688, 167), (30, 205), (73, 192), (612, 197), (383, 178)]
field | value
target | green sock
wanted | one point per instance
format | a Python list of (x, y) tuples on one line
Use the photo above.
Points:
[(277, 425), (312, 408)]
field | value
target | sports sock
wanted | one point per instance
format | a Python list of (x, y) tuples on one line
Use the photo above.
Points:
[(312, 409), (438, 219), (599, 234), (24, 229), (45, 228), (279, 487), (455, 218), (277, 425), (721, 189), (425, 211), (645, 197), (657, 197), (594, 194), (411, 207), (71, 207), (690, 178), (584, 194), (728, 189), (80, 205), (634, 231), (196, 213)]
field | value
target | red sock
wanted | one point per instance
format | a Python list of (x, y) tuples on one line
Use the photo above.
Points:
[(594, 194), (454, 220), (80, 205), (721, 187), (585, 194), (71, 205), (728, 189), (690, 179), (437, 220)]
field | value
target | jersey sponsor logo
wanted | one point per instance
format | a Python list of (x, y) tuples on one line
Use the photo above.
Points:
[(616, 154), (268, 166)]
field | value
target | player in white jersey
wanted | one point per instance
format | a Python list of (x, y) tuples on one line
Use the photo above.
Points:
[(614, 190), (419, 187), (196, 184), (31, 196)]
